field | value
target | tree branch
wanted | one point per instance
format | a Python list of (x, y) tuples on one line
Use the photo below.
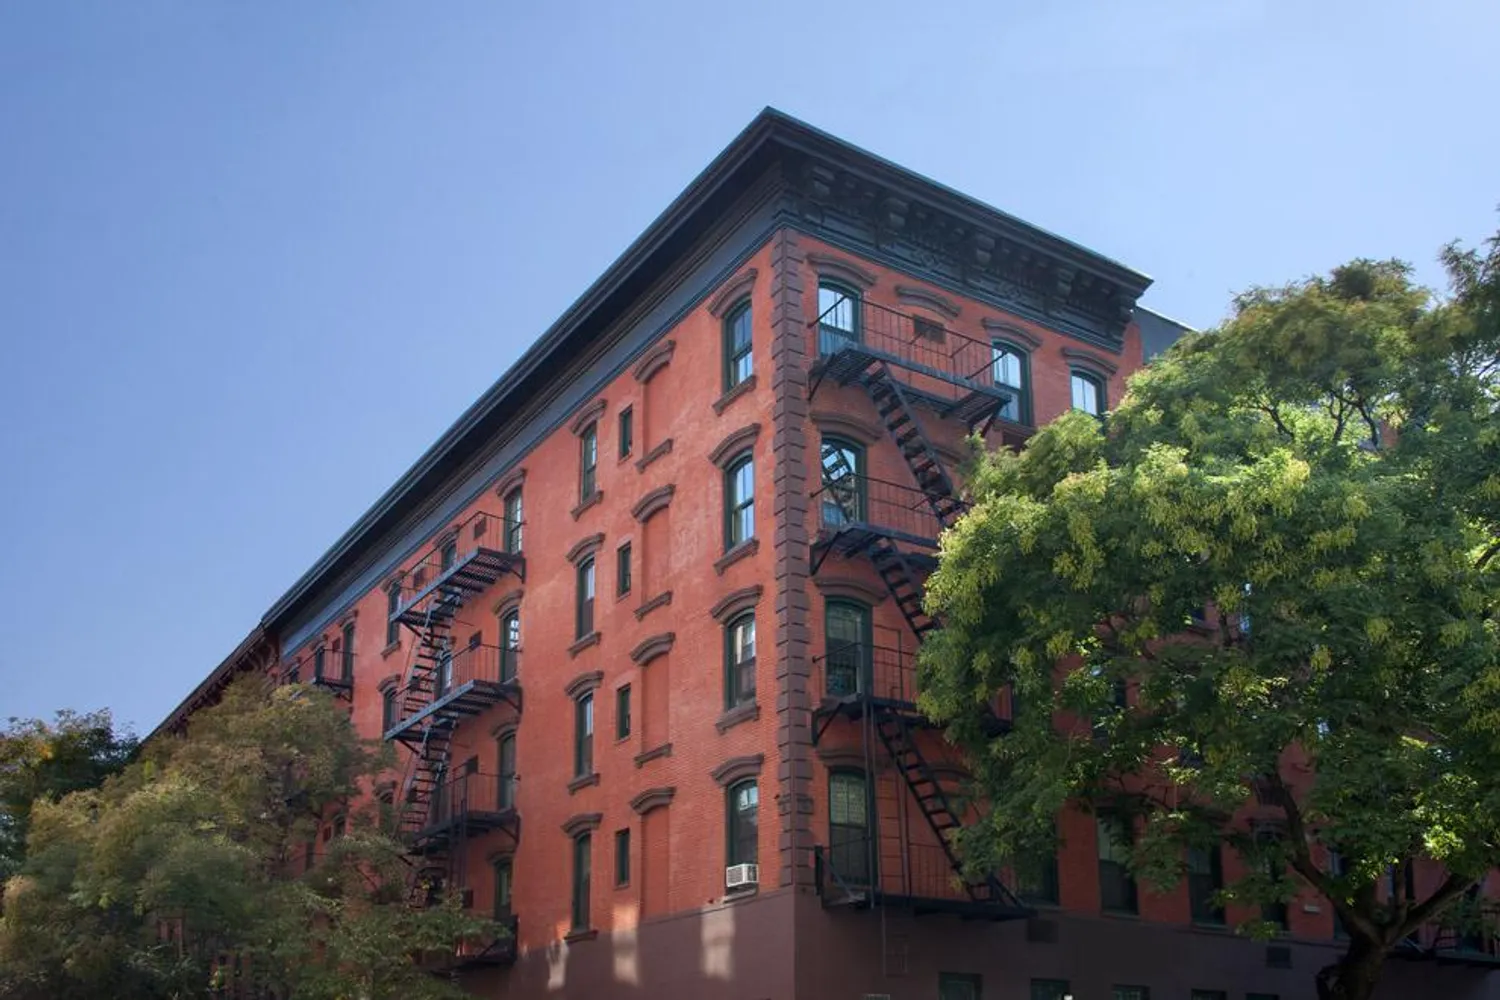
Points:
[(1453, 887), (1302, 862)]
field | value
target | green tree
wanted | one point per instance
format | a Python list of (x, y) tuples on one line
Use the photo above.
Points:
[(45, 761), (1322, 473), (187, 872)]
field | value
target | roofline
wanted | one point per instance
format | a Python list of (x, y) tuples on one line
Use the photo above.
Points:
[(1170, 319), (218, 677), (769, 126)]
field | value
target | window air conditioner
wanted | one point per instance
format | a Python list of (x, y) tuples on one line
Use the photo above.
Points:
[(741, 876)]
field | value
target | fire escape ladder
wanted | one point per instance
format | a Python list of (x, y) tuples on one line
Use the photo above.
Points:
[(896, 734), (900, 419), (903, 580)]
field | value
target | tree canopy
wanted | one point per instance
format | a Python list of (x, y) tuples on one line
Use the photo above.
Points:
[(1255, 607), (190, 870), (42, 760)]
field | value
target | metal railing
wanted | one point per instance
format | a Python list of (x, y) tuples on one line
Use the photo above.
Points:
[(861, 668), (936, 359), (900, 868), (481, 664), (480, 532), (887, 508), (470, 794), (334, 668)]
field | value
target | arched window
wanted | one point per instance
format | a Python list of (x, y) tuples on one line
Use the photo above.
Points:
[(1088, 392), (513, 520), (847, 648), (1011, 370), (743, 825), (739, 501), (849, 847), (738, 363), (739, 661), (838, 317), (843, 494), (388, 710), (510, 644)]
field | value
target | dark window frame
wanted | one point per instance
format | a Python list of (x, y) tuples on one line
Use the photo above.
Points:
[(583, 846), (856, 655), (622, 712), (583, 735), (1050, 989), (622, 858), (388, 709), (588, 461), (849, 844), (734, 352), (588, 592), (830, 336), (834, 508), (1128, 897), (623, 576), (392, 605), (1101, 397), (505, 771), (504, 901), (514, 519), (510, 644), (969, 986), (738, 509), (346, 664), (739, 675), (1023, 391), (738, 841), (626, 431), (1205, 877)]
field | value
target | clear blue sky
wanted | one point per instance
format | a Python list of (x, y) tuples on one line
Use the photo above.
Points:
[(254, 258)]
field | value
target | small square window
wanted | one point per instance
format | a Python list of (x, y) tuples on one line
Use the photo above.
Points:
[(1050, 989), (1132, 993), (622, 858), (622, 712), (627, 431)]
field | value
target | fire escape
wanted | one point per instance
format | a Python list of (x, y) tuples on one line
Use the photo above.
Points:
[(440, 804), (911, 369)]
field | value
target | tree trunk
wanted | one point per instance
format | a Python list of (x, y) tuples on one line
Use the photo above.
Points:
[(1355, 974)]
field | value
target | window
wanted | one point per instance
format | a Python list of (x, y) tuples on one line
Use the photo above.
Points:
[(739, 501), (1262, 996), (1088, 393), (583, 736), (958, 986), (582, 847), (622, 570), (743, 824), (503, 879), (622, 858), (737, 357), (588, 462), (1205, 879), (510, 644), (388, 710), (392, 605), (843, 493), (1036, 880), (445, 667), (627, 431), (346, 667), (585, 621), (1009, 369), (507, 771), (838, 317), (448, 555), (1116, 884), (1050, 989), (1210, 995), (847, 652), (622, 712), (1132, 993), (849, 827), (1276, 912), (318, 658), (739, 661), (513, 520)]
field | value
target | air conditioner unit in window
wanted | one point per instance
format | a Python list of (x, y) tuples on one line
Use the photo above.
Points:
[(741, 876)]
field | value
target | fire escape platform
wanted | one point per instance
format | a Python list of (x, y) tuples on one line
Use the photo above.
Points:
[(856, 537), (437, 836), (922, 906), (458, 702), (972, 403), (499, 952), (471, 574)]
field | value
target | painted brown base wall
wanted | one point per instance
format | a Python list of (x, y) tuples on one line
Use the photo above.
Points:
[(741, 951), (848, 955)]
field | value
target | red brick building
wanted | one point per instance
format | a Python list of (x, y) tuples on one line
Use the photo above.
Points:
[(643, 620)]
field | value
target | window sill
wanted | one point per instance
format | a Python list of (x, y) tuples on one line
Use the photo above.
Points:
[(659, 601), (1120, 914), (664, 448), (587, 502), (741, 893), (583, 781), (572, 937), (741, 551), (592, 639), (641, 759), (734, 716), (747, 386), (385, 654)]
